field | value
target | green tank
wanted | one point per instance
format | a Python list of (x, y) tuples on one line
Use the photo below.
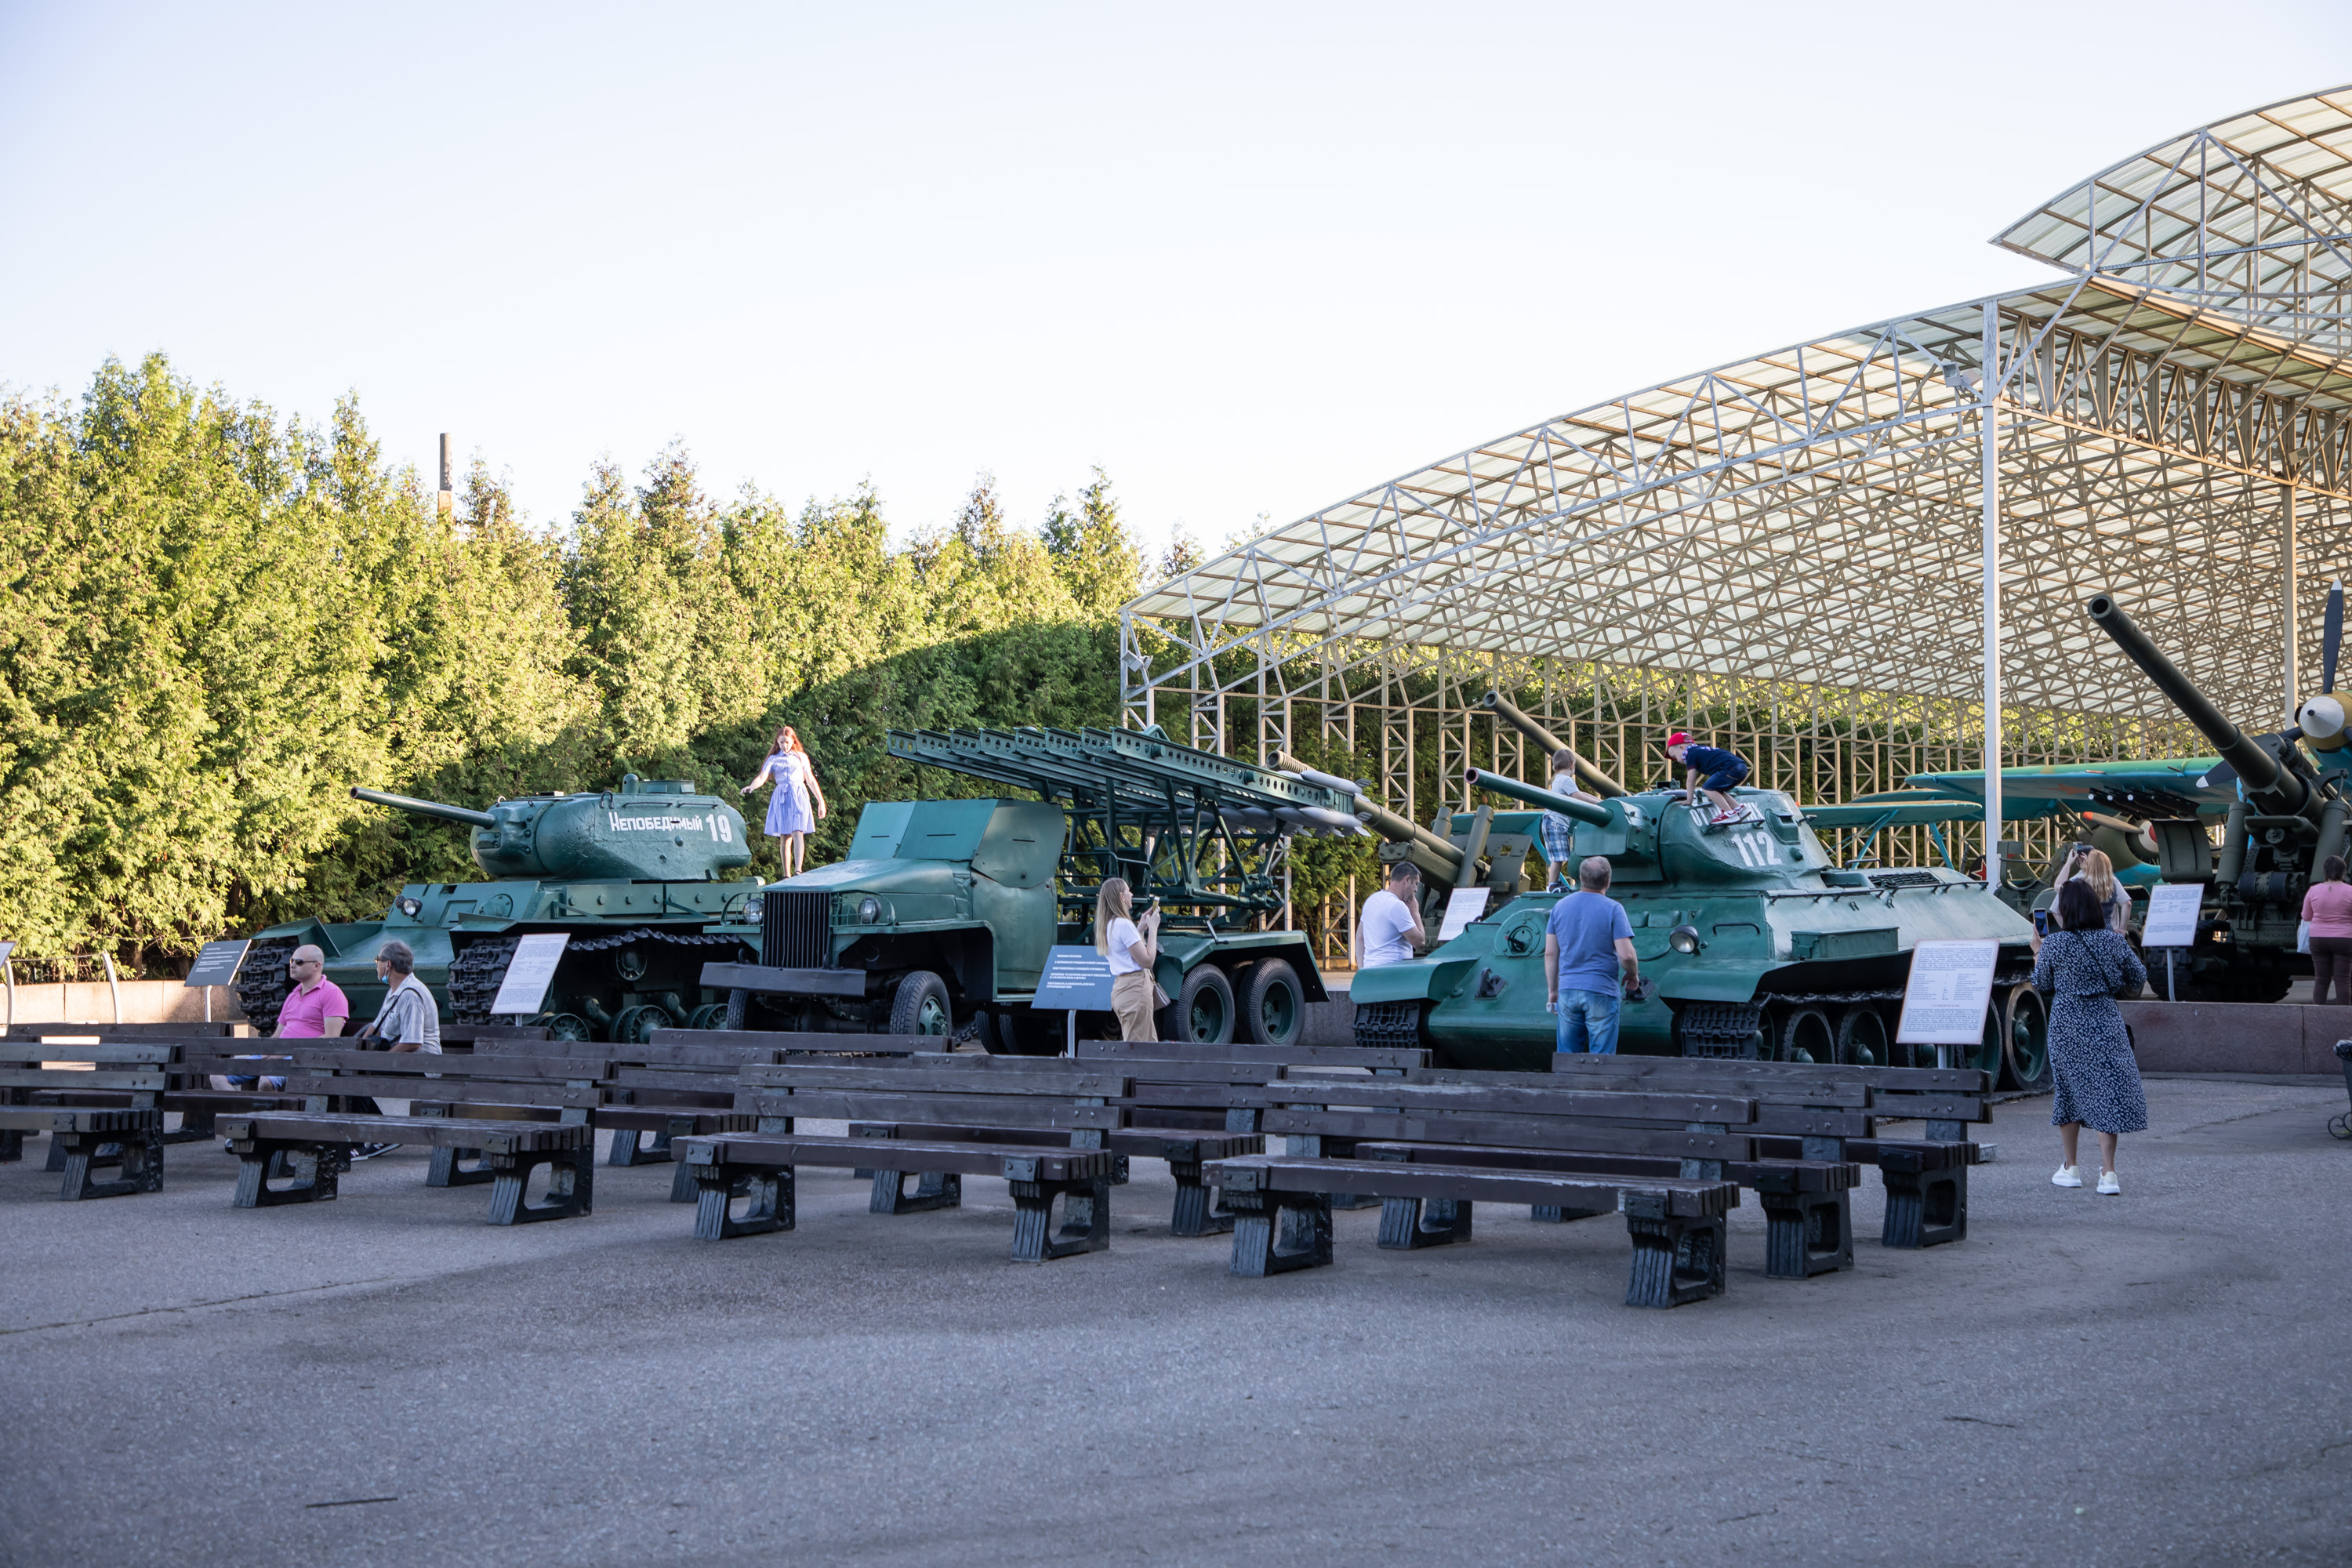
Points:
[(635, 875), (1753, 944)]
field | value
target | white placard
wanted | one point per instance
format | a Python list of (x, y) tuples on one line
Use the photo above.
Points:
[(528, 973), (1950, 987), (2172, 915), (1462, 906)]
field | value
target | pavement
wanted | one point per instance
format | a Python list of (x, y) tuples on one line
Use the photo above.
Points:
[(2161, 1377)]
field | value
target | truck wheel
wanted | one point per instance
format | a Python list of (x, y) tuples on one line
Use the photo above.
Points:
[(1273, 1004), (2025, 1040), (1024, 1032), (919, 1005), (1203, 1013)]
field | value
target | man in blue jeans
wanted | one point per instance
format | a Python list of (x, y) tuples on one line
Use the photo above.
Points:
[(1589, 961)]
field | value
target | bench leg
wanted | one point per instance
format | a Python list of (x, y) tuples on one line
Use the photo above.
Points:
[(1195, 1213), (1275, 1233), (1553, 1214), (1926, 1208), (1085, 1219), (933, 1190), (1409, 1223), (56, 1153), (631, 1146), (683, 1187), (11, 1146), (571, 1185), (717, 1188), (137, 1159), (1676, 1260), (195, 1127), (1807, 1234), (449, 1168), (313, 1170)]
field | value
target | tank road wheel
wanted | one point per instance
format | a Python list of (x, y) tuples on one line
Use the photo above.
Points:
[(1807, 1038), (2025, 1040), (635, 1025), (919, 1005), (1861, 1038), (710, 1015), (262, 982), (563, 1026), (1273, 1004), (1203, 1013)]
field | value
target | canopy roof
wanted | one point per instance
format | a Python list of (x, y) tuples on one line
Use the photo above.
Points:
[(1812, 514)]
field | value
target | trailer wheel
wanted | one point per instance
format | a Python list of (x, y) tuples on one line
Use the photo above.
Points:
[(1203, 1013), (2025, 1040), (1807, 1038), (919, 1005), (1273, 1004)]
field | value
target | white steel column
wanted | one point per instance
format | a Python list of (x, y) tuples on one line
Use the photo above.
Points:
[(1989, 384), (2287, 549)]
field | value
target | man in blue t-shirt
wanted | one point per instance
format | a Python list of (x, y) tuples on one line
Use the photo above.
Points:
[(1714, 770), (1589, 961)]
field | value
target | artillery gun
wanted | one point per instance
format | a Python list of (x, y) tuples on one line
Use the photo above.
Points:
[(2289, 816), (1760, 946), (941, 919), (634, 876)]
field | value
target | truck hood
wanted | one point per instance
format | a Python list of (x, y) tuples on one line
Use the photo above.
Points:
[(881, 876)]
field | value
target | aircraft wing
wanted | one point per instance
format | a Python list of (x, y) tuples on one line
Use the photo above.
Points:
[(2165, 787)]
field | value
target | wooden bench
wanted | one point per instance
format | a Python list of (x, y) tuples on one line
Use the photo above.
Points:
[(1069, 1102), (1676, 1222), (48, 1088), (314, 1144), (1926, 1179)]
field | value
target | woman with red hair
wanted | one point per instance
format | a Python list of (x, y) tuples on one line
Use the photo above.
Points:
[(789, 820)]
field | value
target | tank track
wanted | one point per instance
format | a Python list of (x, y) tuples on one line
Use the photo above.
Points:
[(1388, 1026), (262, 984), (475, 978)]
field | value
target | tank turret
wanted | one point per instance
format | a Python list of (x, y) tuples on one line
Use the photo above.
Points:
[(659, 831)]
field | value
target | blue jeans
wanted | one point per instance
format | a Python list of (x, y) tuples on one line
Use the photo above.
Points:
[(1588, 1012)]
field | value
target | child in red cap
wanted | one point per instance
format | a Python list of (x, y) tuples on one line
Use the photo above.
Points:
[(1714, 771)]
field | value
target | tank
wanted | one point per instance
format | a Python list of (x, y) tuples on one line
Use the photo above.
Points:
[(1753, 944), (635, 875), (2290, 815)]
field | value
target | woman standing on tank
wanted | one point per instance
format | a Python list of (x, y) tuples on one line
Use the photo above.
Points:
[(2328, 908), (2094, 1079), (789, 820), (1132, 947)]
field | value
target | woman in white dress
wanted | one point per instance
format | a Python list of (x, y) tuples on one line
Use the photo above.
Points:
[(789, 819), (1132, 947)]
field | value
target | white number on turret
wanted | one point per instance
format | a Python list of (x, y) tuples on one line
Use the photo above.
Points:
[(725, 829), (1755, 849)]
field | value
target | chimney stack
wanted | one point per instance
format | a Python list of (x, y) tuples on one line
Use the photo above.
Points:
[(448, 497)]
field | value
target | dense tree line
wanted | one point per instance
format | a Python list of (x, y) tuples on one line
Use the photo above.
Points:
[(217, 620)]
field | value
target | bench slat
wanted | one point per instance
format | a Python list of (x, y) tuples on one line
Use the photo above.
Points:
[(1072, 1081), (1533, 1132), (1480, 1100), (1384, 1178), (439, 1131), (449, 1090), (862, 1107), (1052, 1164), (1700, 1077), (71, 1078), (20, 1056)]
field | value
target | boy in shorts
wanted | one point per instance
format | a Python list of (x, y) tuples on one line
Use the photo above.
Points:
[(1711, 770)]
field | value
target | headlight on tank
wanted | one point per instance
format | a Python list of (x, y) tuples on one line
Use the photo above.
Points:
[(869, 911), (751, 909), (1684, 940), (410, 906)]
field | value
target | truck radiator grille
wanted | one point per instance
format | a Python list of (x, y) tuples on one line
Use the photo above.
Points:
[(795, 931)]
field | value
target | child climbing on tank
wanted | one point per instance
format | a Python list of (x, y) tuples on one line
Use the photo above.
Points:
[(1712, 773)]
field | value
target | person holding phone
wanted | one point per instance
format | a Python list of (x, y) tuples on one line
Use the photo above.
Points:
[(2094, 1079), (1133, 946)]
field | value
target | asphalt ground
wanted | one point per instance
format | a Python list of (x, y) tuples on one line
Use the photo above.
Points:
[(2166, 1376)]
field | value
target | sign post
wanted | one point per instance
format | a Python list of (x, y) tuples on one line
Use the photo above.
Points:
[(1077, 978), (216, 965), (8, 976), (1947, 995), (529, 974), (2171, 925)]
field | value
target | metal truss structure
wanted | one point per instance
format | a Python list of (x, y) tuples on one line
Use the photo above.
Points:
[(1859, 556)]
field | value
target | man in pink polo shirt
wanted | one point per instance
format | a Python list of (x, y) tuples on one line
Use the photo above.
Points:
[(315, 1010)]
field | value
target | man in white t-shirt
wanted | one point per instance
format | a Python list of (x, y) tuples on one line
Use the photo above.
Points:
[(1391, 928)]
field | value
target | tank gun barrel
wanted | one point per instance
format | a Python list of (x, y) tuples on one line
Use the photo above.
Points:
[(1582, 811), (433, 808), (1588, 775), (2269, 787)]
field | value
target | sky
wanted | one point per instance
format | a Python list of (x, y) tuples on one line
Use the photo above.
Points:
[(1248, 259)]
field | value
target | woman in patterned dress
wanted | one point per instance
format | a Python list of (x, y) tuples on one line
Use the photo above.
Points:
[(1559, 832), (2083, 964), (789, 820)]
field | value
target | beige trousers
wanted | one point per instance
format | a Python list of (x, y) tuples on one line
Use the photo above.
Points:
[(1131, 998)]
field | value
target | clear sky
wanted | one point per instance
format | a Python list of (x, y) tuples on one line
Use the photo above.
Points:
[(1250, 260)]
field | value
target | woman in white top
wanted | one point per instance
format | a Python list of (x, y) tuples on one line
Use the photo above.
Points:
[(1132, 948), (2094, 866)]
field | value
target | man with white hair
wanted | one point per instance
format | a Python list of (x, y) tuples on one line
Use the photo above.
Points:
[(315, 1010)]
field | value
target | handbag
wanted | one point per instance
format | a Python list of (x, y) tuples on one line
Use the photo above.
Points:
[(2303, 936)]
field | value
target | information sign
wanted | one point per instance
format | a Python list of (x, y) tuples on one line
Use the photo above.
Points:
[(1951, 987), (2172, 915), (216, 963), (1463, 906), (529, 974), (1076, 979), (5, 949)]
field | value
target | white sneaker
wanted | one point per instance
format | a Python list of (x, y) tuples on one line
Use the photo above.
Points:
[(2067, 1176), (2109, 1184)]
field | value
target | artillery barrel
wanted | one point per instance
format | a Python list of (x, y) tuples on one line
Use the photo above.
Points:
[(433, 808), (1588, 775), (1402, 830), (2269, 787), (1580, 810)]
